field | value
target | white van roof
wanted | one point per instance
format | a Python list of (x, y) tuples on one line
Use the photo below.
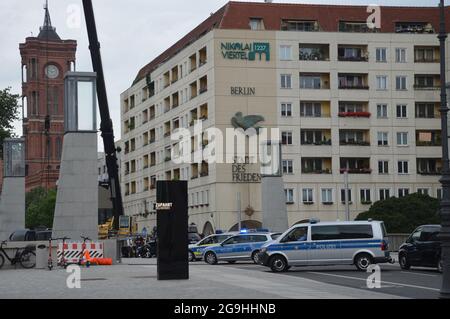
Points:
[(340, 223)]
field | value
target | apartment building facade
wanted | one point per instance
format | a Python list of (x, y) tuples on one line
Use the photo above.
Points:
[(346, 98)]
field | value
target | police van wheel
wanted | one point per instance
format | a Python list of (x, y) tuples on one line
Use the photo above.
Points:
[(211, 258), (255, 257), (278, 264), (363, 262), (191, 256)]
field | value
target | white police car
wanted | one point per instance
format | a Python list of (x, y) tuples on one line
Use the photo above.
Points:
[(336, 243), (244, 246), (196, 250)]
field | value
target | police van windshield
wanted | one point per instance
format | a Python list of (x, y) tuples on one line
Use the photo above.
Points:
[(297, 234)]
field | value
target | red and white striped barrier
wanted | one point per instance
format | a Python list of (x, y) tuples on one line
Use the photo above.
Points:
[(73, 251)]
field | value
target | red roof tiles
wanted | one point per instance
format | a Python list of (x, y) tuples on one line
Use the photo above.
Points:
[(236, 15)]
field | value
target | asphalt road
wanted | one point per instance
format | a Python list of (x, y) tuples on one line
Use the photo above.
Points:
[(419, 283)]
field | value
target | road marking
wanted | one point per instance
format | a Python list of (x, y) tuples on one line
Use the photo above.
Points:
[(383, 282), (418, 274)]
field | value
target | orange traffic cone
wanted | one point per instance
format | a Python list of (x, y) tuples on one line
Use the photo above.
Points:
[(87, 258)]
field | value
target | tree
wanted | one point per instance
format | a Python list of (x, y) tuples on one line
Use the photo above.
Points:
[(9, 112), (404, 215), (40, 208)]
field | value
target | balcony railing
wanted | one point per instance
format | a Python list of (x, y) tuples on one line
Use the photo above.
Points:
[(355, 114), (314, 56), (426, 87), (424, 60), (321, 143), (353, 58), (203, 90), (353, 87), (317, 171), (432, 143), (354, 143), (356, 170), (430, 173)]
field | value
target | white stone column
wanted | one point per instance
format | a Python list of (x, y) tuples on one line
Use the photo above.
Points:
[(76, 211), (12, 206)]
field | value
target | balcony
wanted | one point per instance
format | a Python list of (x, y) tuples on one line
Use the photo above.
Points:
[(428, 138), (354, 138), (350, 53), (315, 109), (355, 26), (315, 81), (429, 110), (355, 166), (427, 82), (353, 82), (314, 52), (319, 166), (429, 166), (355, 114), (300, 25), (203, 57), (315, 137), (423, 54), (414, 27), (193, 62)]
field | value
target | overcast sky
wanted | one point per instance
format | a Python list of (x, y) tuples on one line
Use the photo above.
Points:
[(131, 32)]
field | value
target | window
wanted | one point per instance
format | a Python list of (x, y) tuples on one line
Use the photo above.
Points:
[(402, 111), (289, 193), (310, 137), (299, 25), (366, 196), (381, 54), (286, 109), (310, 82), (425, 110), (400, 55), (423, 191), (286, 138), (400, 83), (256, 24), (336, 232), (308, 196), (288, 167), (327, 196), (382, 111), (343, 198), (296, 235), (310, 109), (403, 192), (403, 167), (383, 167), (286, 81), (381, 82), (285, 52), (402, 139), (383, 139), (385, 194)]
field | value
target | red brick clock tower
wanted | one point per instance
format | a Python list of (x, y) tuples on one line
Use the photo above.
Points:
[(45, 60)]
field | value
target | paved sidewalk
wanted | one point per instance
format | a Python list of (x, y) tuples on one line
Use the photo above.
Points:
[(136, 278)]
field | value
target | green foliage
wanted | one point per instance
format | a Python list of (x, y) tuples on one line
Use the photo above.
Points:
[(40, 208), (9, 112), (404, 215)]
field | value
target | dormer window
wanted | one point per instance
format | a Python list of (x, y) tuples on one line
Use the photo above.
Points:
[(300, 25), (256, 24), (414, 27), (355, 26)]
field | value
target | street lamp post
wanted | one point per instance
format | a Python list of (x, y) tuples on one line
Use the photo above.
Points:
[(445, 180)]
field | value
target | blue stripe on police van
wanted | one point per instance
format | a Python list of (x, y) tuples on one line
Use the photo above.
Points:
[(326, 245)]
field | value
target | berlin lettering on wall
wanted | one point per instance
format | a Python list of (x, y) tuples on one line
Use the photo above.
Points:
[(240, 174), (243, 91), (245, 51)]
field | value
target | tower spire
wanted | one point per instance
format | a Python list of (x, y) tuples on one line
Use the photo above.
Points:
[(48, 32)]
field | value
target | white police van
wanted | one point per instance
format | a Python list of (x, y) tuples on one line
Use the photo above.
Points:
[(329, 243)]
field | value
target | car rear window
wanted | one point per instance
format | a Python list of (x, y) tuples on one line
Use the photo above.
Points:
[(337, 232)]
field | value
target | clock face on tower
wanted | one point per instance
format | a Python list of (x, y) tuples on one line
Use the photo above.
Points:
[(52, 71)]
